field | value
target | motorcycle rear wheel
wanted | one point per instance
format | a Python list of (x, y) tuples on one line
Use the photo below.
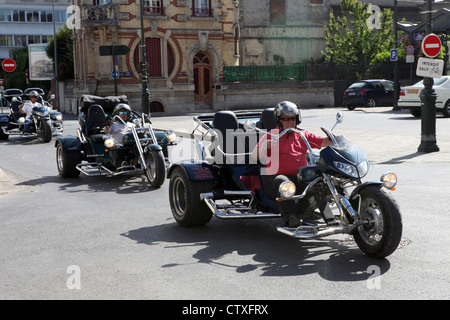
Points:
[(67, 162), (382, 235), (184, 196)]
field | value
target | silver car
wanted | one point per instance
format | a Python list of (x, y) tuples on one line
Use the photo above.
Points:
[(410, 96)]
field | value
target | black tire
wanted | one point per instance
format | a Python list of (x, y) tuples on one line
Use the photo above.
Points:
[(66, 162), (382, 236), (46, 130), (184, 197), (156, 168), (350, 107), (3, 136), (416, 112), (446, 111)]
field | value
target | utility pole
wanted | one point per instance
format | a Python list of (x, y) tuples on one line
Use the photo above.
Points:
[(144, 76)]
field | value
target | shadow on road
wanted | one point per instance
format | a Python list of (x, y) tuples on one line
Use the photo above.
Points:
[(403, 158), (273, 254), (126, 184)]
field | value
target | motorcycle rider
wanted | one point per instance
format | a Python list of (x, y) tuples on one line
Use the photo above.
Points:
[(27, 108), (118, 129), (285, 156)]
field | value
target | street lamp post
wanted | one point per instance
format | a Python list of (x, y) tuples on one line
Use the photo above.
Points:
[(56, 56), (396, 83), (144, 76), (428, 107)]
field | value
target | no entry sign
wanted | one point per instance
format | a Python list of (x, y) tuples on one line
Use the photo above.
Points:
[(9, 65), (431, 45)]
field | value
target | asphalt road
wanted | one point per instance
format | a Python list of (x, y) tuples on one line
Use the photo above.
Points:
[(115, 238)]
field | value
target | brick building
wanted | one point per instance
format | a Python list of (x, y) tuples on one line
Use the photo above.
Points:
[(187, 44)]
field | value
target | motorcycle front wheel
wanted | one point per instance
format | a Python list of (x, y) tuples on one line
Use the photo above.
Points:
[(46, 130), (156, 168), (381, 236)]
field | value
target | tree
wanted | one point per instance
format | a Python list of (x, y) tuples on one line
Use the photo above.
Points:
[(64, 44), (358, 35)]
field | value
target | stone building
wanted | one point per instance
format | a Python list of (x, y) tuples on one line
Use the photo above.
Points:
[(187, 43), (282, 32)]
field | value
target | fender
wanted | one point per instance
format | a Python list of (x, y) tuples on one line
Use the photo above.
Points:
[(161, 137), (4, 120), (361, 186), (197, 171), (69, 143), (154, 147)]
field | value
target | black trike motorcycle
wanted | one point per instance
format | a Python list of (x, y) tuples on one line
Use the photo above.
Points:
[(94, 153), (226, 182), (42, 123)]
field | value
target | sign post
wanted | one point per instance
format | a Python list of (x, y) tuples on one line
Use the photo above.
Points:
[(114, 51), (431, 46)]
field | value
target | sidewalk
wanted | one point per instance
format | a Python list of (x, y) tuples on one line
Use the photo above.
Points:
[(380, 148)]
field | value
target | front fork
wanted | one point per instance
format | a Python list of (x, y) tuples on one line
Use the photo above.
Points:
[(342, 203)]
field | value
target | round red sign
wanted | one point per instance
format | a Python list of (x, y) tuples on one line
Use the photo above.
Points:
[(9, 65), (431, 45)]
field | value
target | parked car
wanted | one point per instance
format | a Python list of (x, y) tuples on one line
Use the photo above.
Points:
[(410, 96), (369, 93)]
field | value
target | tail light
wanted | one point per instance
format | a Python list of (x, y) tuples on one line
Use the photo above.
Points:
[(402, 92), (363, 91)]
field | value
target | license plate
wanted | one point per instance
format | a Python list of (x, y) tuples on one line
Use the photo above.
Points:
[(351, 93), (413, 91)]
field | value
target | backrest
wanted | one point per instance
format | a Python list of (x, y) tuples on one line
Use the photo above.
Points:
[(267, 120), (226, 123), (96, 119), (15, 106)]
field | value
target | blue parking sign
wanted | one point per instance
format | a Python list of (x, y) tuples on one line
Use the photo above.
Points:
[(394, 54)]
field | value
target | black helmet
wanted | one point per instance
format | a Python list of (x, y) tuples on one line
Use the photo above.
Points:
[(286, 108), (122, 107)]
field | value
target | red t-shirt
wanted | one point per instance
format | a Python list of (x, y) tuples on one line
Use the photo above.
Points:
[(289, 153)]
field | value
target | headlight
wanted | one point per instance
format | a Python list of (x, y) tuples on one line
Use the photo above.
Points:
[(346, 168), (363, 168), (389, 180), (171, 136), (287, 189), (109, 143), (59, 117), (22, 119)]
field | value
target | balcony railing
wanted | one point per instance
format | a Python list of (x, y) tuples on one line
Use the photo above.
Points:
[(99, 15), (154, 11)]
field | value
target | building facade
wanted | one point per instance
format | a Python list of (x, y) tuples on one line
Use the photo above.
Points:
[(27, 22), (187, 43)]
